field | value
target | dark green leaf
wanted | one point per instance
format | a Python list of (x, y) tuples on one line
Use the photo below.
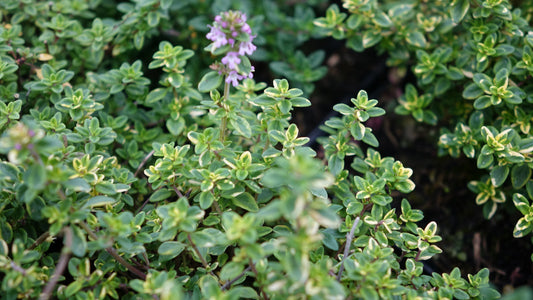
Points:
[(35, 208), (156, 95), (476, 120), (459, 10), (416, 38), (79, 242), (325, 217), (203, 239), (482, 102), (472, 91), (153, 18), (370, 39), (300, 102), (520, 175), (343, 109), (330, 241), (483, 81), (357, 130), (231, 270), (381, 19), (160, 195), (35, 176), (335, 164), (206, 199), (138, 40), (370, 138), (242, 126), (106, 188), (498, 175), (246, 201), (504, 49), (209, 82), (264, 100), (356, 43), (30, 256), (484, 160), (78, 185), (170, 249), (165, 4), (175, 126), (73, 288), (243, 292), (521, 203), (99, 201)]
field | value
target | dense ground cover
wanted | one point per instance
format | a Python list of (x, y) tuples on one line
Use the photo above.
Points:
[(236, 149)]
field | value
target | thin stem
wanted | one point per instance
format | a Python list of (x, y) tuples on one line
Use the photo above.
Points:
[(197, 251), (417, 257), (229, 283), (143, 162), (217, 208), (35, 155), (140, 263), (126, 264), (177, 192), (223, 126), (18, 268), (146, 260), (267, 143), (61, 194), (349, 239), (143, 205), (257, 276), (114, 253), (224, 121), (60, 267), (39, 240)]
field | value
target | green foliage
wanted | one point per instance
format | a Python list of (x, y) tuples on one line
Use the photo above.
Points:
[(281, 29), (472, 65), (118, 183)]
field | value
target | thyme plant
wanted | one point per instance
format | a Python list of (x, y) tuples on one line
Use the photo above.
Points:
[(114, 186), (472, 65)]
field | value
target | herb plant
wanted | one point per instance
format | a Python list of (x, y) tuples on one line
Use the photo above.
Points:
[(114, 185), (472, 64)]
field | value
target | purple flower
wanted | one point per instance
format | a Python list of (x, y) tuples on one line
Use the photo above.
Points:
[(251, 75), (234, 78), (246, 48), (217, 36), (231, 60), (230, 28), (246, 28)]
